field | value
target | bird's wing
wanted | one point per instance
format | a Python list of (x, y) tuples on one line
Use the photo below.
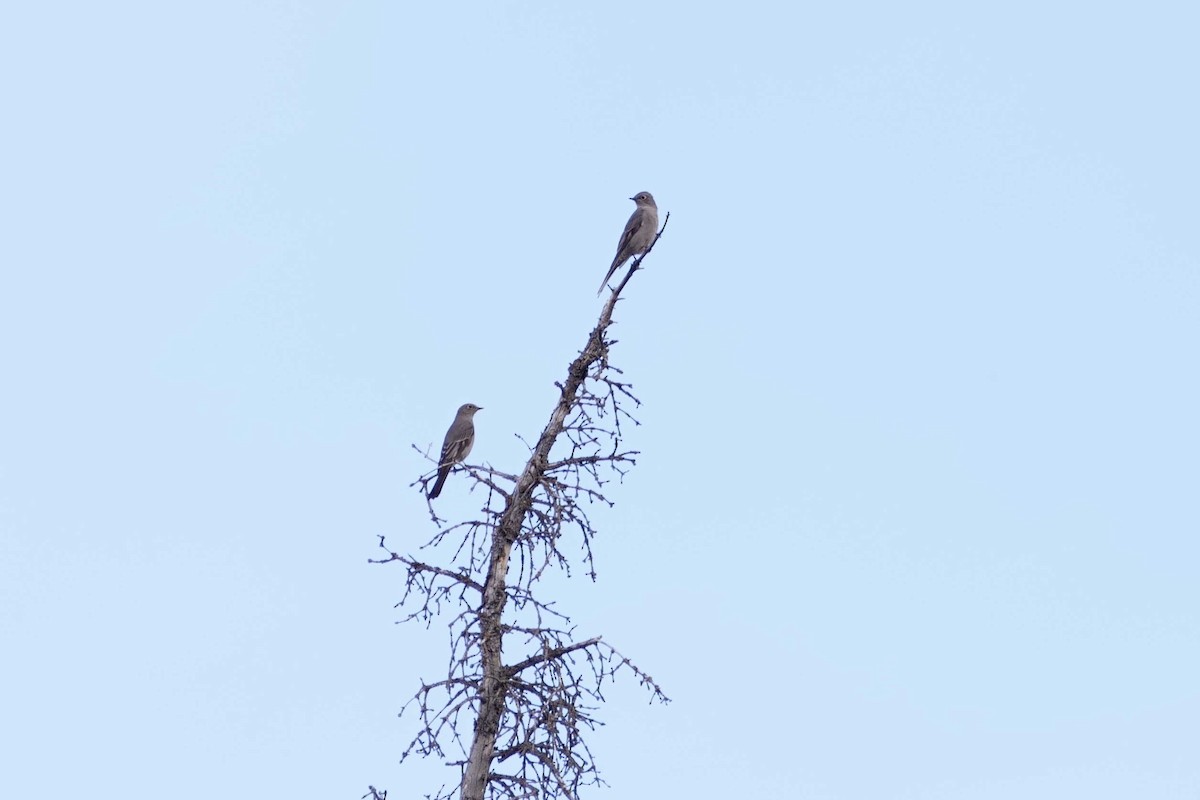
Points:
[(456, 447), (635, 223)]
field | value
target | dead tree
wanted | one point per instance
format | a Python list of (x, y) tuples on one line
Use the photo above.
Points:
[(532, 711)]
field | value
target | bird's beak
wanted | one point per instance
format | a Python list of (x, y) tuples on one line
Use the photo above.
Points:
[(634, 199)]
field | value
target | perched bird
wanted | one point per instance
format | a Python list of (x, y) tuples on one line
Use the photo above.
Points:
[(638, 234), (457, 445)]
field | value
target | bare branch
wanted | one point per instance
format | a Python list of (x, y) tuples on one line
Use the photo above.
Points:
[(554, 652)]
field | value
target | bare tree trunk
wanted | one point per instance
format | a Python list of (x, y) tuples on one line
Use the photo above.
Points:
[(495, 679)]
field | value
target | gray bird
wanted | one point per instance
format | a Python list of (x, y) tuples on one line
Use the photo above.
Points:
[(638, 234), (457, 445)]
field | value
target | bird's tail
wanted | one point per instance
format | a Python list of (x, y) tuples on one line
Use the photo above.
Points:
[(604, 282), (441, 480)]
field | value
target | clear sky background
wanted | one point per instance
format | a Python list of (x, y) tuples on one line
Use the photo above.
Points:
[(917, 511)]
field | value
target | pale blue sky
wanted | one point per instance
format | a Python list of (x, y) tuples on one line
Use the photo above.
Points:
[(916, 515)]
